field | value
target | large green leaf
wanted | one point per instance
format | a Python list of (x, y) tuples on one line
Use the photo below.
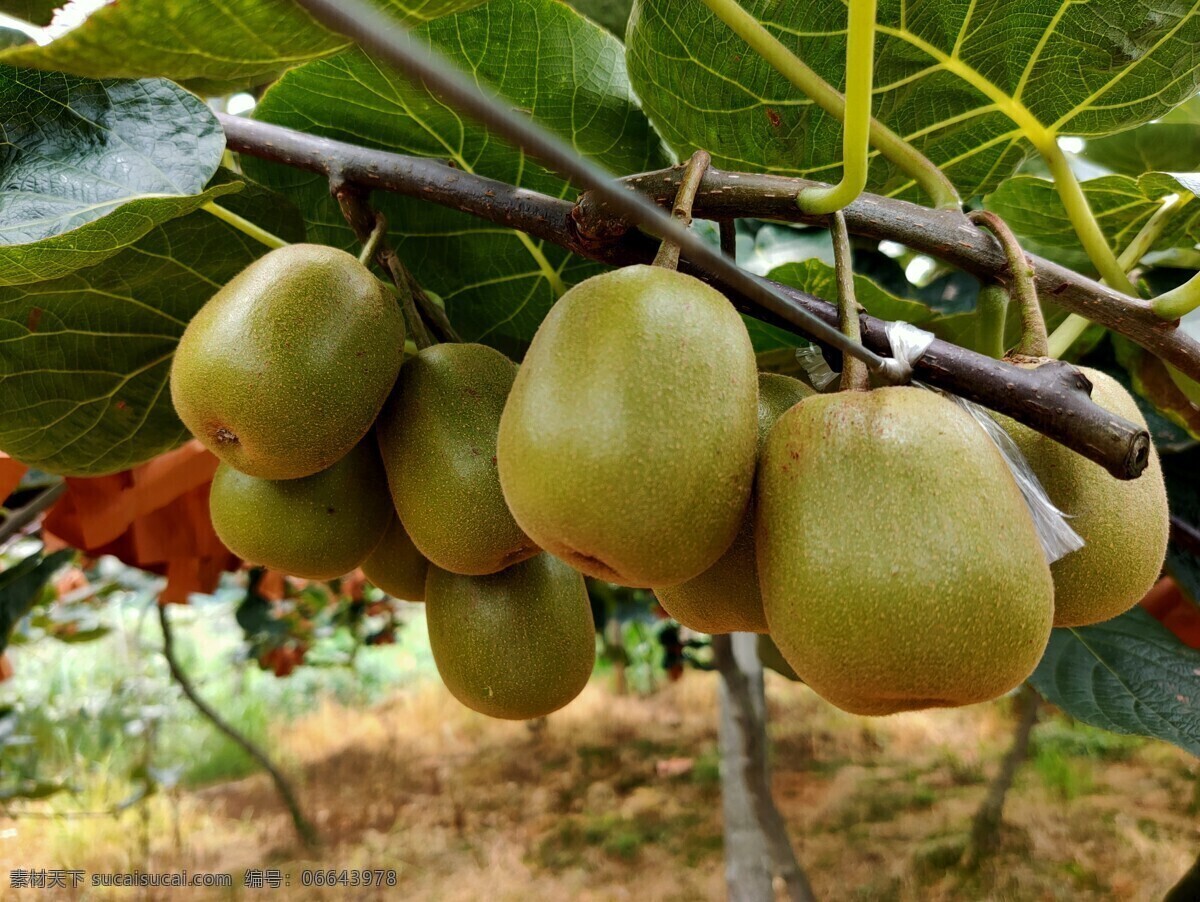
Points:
[(220, 46), (84, 359), (542, 57), (1170, 144), (88, 167), (1127, 675), (1121, 204), (819, 278), (35, 12), (970, 84)]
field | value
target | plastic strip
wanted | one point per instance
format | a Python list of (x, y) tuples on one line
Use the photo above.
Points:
[(1057, 537), (908, 343), (812, 361)]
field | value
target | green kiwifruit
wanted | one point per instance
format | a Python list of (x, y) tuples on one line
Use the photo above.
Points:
[(317, 527), (438, 438), (515, 644), (627, 444), (285, 368), (1124, 523), (396, 566), (725, 597), (899, 566)]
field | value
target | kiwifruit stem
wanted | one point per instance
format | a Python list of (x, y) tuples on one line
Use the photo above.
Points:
[(693, 174), (1022, 289), (991, 313), (431, 312), (854, 372), (412, 317), (371, 228), (367, 254), (727, 229)]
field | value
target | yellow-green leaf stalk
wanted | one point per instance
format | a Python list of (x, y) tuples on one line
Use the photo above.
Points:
[(856, 124), (907, 158), (1070, 329)]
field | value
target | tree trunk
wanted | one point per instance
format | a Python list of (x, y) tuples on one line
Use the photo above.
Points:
[(985, 830), (1188, 887), (756, 841)]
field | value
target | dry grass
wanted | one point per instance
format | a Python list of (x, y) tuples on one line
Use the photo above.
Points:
[(465, 808)]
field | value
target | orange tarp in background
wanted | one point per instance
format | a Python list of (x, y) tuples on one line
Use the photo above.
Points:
[(10, 474), (154, 517)]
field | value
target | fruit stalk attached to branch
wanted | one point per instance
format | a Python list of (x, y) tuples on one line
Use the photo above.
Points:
[(854, 374), (1024, 289), (371, 228), (693, 173)]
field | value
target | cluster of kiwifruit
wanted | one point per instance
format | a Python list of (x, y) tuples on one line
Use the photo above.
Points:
[(877, 536)]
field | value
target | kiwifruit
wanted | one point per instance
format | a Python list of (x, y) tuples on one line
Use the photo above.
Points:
[(725, 597), (1124, 523), (317, 527), (285, 368), (396, 566), (627, 444), (437, 433), (515, 644), (899, 565)]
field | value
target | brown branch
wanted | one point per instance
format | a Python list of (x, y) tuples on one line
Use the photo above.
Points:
[(1054, 399), (304, 829), (947, 235), (985, 828)]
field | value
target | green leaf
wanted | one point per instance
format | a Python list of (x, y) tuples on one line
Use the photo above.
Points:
[(21, 585), (1152, 381), (1127, 675), (85, 358), (819, 278), (1120, 203), (218, 46), (88, 167), (542, 57), (35, 12), (969, 84), (1169, 144)]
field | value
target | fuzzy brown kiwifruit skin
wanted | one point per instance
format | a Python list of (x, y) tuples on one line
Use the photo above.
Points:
[(285, 368), (318, 527), (437, 435), (1123, 522), (725, 597), (627, 445), (515, 644), (396, 566), (898, 563)]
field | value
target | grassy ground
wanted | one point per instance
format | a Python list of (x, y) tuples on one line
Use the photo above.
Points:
[(618, 798)]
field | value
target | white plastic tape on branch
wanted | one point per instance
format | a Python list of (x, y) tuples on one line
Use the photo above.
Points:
[(908, 343)]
